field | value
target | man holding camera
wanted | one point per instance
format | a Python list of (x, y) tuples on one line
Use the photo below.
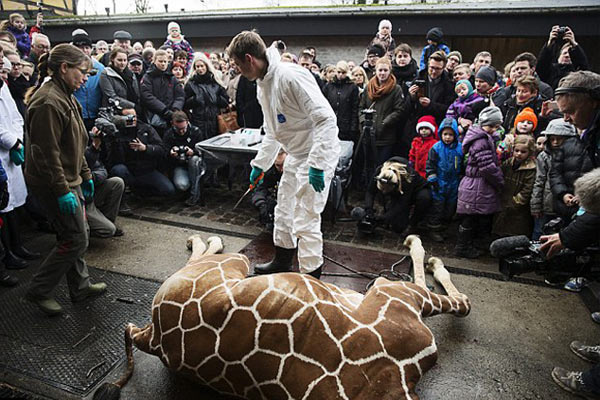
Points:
[(298, 118), (583, 232), (560, 56), (134, 155), (180, 141)]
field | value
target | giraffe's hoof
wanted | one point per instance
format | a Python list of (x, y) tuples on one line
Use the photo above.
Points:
[(215, 242), (190, 241)]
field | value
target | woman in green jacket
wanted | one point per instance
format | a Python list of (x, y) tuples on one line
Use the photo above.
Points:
[(58, 176)]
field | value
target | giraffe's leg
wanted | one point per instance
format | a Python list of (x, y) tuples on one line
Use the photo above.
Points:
[(197, 246), (441, 274), (215, 245), (417, 253)]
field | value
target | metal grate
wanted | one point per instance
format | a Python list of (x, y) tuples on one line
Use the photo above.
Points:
[(74, 351)]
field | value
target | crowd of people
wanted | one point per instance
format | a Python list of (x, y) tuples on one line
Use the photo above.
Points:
[(82, 124)]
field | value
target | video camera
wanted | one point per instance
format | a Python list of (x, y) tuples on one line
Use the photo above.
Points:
[(109, 120), (366, 221), (518, 255)]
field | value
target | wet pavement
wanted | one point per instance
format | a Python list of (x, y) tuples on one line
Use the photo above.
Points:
[(505, 349)]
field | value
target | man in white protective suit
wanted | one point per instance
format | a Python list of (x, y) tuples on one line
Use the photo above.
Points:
[(298, 118)]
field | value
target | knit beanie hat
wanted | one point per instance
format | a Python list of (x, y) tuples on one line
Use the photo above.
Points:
[(456, 54), (427, 121), (376, 50), (560, 127), (385, 22), (486, 74), (81, 38), (490, 116), (435, 34), (173, 24), (527, 114), (467, 83)]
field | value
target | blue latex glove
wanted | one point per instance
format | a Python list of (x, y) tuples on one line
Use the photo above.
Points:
[(17, 156), (67, 203), (316, 178), (87, 187), (254, 176)]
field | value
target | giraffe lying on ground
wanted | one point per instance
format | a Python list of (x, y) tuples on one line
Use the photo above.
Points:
[(289, 335)]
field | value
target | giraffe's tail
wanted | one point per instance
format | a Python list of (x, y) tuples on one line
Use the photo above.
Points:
[(112, 391)]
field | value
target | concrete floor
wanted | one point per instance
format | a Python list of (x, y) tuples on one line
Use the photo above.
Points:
[(505, 349)]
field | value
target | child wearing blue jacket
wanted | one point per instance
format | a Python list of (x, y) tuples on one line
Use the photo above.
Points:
[(443, 169), (435, 42)]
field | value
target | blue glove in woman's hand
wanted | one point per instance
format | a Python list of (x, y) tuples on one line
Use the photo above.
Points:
[(316, 178), (87, 187), (254, 175), (67, 203)]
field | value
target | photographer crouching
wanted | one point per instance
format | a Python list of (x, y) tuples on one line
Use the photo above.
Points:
[(399, 188), (581, 233), (135, 155), (185, 161)]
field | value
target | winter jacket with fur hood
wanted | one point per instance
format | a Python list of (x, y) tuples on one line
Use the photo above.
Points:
[(343, 97), (479, 190), (444, 165), (541, 197), (515, 216)]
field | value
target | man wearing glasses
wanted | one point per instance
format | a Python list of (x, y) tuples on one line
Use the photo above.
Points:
[(40, 45)]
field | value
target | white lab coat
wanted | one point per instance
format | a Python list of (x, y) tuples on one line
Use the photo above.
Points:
[(11, 130), (299, 118)]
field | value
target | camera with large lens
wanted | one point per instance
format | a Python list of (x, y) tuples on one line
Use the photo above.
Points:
[(108, 120), (518, 255), (181, 153)]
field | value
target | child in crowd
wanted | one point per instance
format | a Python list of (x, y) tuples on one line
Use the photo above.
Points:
[(479, 190), (443, 170), (422, 143), (519, 176), (27, 69), (460, 72), (466, 107), (527, 95), (181, 57), (525, 124), (435, 42), (176, 41), (384, 38), (178, 71), (540, 144), (570, 160), (541, 206), (16, 25)]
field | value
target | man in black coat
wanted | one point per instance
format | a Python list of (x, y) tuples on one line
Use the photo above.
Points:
[(135, 154), (249, 112), (524, 65), (578, 98), (560, 56), (583, 232), (433, 96)]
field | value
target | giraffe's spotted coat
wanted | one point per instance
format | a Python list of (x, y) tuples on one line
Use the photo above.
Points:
[(290, 336)]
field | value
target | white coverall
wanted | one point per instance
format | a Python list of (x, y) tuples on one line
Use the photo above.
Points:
[(299, 118)]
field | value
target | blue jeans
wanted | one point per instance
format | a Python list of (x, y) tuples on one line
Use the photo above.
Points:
[(189, 177), (153, 183)]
